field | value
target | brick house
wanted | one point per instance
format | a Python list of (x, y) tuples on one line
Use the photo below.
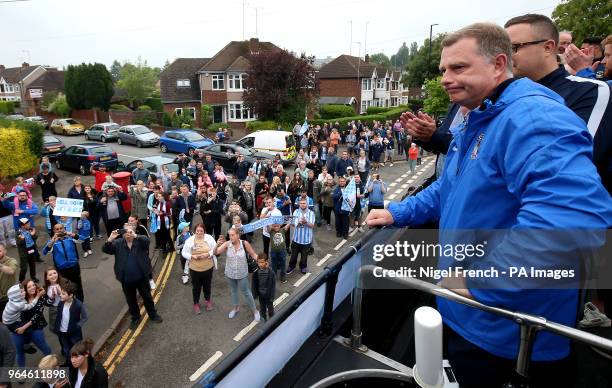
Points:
[(51, 80), (360, 82), (180, 87), (15, 80), (222, 81)]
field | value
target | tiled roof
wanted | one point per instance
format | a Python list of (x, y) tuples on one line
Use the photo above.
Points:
[(16, 74), (347, 66), (240, 64), (233, 51), (182, 68), (49, 80)]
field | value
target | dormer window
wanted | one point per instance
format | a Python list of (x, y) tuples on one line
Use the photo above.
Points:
[(183, 83)]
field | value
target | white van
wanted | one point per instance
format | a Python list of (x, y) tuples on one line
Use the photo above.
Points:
[(272, 142)]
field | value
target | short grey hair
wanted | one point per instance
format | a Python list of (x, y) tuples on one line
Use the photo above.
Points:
[(491, 39)]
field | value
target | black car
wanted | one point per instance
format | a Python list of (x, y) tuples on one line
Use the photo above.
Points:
[(80, 157), (52, 146), (225, 154)]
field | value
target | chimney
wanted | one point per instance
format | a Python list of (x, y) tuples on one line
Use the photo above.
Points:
[(254, 45), (25, 64), (367, 58)]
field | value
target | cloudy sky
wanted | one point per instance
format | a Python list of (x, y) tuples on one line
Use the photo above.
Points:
[(62, 32)]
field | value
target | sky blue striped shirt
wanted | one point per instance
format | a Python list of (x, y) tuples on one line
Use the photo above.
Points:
[(302, 234)]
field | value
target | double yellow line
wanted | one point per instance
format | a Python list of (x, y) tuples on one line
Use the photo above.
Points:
[(129, 337)]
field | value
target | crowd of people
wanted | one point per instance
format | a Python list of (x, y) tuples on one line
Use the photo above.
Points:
[(200, 212)]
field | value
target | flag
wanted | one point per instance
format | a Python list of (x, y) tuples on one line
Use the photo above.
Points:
[(304, 127), (349, 196)]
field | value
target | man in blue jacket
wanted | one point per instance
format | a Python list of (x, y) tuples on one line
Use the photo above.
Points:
[(26, 208), (521, 160)]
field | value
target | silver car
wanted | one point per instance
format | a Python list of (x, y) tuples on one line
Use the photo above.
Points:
[(103, 132), (138, 135)]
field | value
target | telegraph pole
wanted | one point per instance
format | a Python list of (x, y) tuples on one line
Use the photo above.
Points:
[(429, 50)]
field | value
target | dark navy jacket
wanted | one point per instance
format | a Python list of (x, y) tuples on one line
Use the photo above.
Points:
[(441, 138), (590, 100)]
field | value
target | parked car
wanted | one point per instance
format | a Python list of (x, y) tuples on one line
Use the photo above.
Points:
[(52, 146), (15, 117), (183, 141), (40, 120), (103, 132), (66, 127), (80, 157), (138, 135), (225, 154), (272, 142), (152, 163)]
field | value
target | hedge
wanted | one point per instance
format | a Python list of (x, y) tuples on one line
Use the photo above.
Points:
[(333, 111), (374, 110), (120, 107), (261, 125), (7, 107), (155, 104), (214, 127), (144, 108), (24, 140), (343, 121), (394, 113)]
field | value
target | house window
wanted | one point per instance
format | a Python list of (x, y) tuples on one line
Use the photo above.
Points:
[(380, 83), (191, 111), (218, 82), (366, 84), (239, 112), (236, 81), (364, 106), (10, 88), (394, 85), (393, 101), (183, 83)]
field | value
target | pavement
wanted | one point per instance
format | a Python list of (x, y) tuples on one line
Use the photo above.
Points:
[(183, 347)]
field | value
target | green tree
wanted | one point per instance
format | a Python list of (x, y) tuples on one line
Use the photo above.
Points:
[(88, 86), (380, 58), (417, 66), (115, 70), (59, 106), (437, 100), (206, 116), (401, 58), (183, 120), (138, 80), (584, 18)]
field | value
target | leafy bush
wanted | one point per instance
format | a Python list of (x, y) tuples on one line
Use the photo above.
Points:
[(120, 107), (206, 116), (144, 108), (7, 107), (146, 119), (343, 121), (59, 106), (155, 104), (333, 111), (184, 118), (374, 110), (292, 114), (261, 125), (24, 139), (415, 104), (395, 113), (214, 127), (17, 104), (166, 119)]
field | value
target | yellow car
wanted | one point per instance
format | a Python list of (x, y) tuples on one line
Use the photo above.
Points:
[(67, 127)]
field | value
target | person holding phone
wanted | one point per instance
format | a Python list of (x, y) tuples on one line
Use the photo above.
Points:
[(65, 257)]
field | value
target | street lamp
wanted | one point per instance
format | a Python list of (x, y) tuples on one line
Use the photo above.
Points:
[(429, 51)]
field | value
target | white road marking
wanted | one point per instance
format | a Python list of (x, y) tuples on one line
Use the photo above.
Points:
[(323, 260), (302, 279), (205, 366), (405, 186), (354, 232), (130, 156), (392, 196), (280, 299), (411, 181), (393, 184), (399, 192), (340, 244), (398, 180), (244, 331), (404, 176)]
